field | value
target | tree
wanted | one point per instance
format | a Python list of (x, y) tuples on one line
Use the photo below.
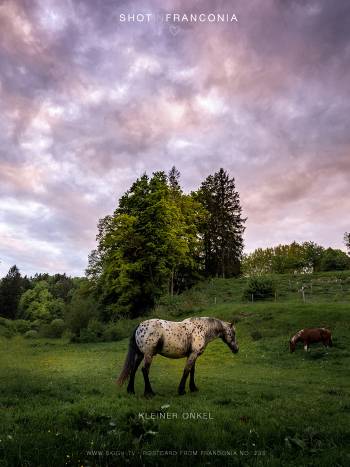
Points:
[(146, 244), (224, 226), (174, 180), (39, 304), (11, 288), (334, 260), (347, 241), (294, 258)]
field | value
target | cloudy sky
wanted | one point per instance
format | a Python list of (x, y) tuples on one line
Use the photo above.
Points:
[(89, 102)]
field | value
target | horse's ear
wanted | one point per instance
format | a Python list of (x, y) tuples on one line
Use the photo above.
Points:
[(232, 323)]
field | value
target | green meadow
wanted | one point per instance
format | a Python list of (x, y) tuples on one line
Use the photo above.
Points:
[(264, 406)]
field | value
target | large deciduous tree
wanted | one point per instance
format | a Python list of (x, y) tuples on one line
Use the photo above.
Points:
[(146, 244)]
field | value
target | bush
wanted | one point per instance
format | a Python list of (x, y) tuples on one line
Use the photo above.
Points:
[(259, 288), (21, 325), (55, 329), (36, 325), (7, 328), (96, 327), (4, 321), (79, 313), (117, 331), (334, 260), (92, 333), (6, 332), (32, 334), (86, 335), (96, 331)]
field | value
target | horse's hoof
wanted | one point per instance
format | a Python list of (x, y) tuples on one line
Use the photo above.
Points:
[(181, 392), (194, 389), (131, 391), (149, 395)]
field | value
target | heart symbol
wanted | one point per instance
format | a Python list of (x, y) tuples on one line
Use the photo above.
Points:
[(174, 30)]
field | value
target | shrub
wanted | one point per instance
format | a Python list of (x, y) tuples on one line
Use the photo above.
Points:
[(259, 288), (92, 333), (79, 313), (112, 332), (119, 330), (96, 327), (32, 334), (55, 329), (36, 325), (7, 328), (6, 332), (21, 325), (86, 335), (4, 322)]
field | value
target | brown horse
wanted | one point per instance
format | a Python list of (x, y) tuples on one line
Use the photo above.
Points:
[(187, 338), (310, 336)]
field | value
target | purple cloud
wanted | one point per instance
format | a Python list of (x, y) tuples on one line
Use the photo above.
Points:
[(89, 103)]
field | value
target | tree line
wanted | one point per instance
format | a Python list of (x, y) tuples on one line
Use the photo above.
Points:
[(306, 257), (162, 240), (159, 240)]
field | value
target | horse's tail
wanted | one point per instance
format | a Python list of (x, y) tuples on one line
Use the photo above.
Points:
[(129, 360)]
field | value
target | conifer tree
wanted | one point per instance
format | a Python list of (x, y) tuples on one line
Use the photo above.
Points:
[(11, 288), (224, 227)]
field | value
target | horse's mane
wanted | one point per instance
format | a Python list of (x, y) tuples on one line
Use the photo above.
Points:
[(215, 326)]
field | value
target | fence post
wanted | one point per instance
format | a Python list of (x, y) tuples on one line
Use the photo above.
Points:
[(252, 297)]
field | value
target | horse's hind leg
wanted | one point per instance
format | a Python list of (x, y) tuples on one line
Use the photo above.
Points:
[(145, 371), (193, 387), (138, 360)]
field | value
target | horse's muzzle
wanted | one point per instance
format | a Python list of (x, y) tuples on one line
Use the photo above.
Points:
[(235, 349)]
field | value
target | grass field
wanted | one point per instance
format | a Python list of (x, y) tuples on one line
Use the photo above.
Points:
[(60, 405)]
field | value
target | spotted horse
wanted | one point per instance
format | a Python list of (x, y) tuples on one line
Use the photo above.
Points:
[(187, 338), (309, 336)]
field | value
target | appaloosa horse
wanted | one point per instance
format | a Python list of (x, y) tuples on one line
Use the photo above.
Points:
[(187, 338), (309, 336)]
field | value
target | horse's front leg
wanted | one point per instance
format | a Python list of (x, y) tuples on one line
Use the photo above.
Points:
[(145, 371), (193, 387), (188, 367)]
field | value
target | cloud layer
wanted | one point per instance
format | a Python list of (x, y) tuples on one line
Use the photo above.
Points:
[(89, 103)]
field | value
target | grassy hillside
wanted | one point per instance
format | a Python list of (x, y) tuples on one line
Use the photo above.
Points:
[(60, 406), (318, 288)]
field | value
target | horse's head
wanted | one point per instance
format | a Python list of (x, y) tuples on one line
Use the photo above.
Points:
[(229, 336)]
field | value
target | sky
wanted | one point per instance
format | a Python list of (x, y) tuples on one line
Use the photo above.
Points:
[(92, 97)]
